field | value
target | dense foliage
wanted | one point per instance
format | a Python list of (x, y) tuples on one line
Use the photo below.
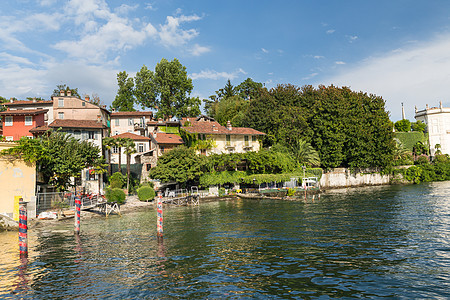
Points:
[(146, 193), (115, 195), (348, 129), (58, 156), (425, 171), (117, 180), (403, 125)]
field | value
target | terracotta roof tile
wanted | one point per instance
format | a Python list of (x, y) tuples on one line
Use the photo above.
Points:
[(28, 102), (66, 123), (213, 127), (133, 136), (24, 112), (40, 129), (168, 138)]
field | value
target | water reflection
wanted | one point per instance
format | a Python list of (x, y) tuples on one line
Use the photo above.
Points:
[(377, 242)]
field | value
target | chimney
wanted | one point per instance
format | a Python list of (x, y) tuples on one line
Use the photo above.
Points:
[(69, 93), (440, 104), (229, 125), (86, 98), (99, 118), (34, 99), (113, 109), (215, 128), (61, 93)]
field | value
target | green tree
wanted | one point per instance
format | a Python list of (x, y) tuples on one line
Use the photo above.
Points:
[(248, 89), (403, 125), (64, 87), (124, 100), (418, 126), (58, 155), (119, 143), (2, 101), (180, 164), (108, 144), (231, 109), (165, 89), (304, 153)]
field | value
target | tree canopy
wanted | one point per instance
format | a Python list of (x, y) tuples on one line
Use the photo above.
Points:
[(124, 100), (166, 89), (58, 155), (64, 87)]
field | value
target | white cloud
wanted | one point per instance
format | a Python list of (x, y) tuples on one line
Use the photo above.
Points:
[(340, 63), (172, 35), (214, 75), (352, 38), (264, 50), (198, 50), (330, 31), (318, 56), (125, 9), (9, 59), (312, 75), (149, 6), (416, 75)]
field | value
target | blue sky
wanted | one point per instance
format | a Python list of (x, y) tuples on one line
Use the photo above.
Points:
[(399, 49)]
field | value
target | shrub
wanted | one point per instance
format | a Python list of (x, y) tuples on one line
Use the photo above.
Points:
[(146, 193), (403, 125), (422, 160), (117, 180), (290, 192), (115, 195)]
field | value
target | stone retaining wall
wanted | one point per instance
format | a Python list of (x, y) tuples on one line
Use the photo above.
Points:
[(342, 177)]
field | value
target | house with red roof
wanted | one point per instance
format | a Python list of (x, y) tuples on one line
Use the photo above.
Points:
[(18, 123), (226, 139)]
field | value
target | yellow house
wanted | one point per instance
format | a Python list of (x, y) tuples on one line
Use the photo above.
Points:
[(17, 180)]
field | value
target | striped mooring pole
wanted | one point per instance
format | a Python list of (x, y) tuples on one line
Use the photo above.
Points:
[(77, 215), (159, 217), (23, 229)]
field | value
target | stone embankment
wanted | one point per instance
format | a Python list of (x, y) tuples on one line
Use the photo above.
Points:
[(6, 223), (343, 178)]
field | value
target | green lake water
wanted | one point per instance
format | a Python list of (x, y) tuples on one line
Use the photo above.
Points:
[(382, 242)]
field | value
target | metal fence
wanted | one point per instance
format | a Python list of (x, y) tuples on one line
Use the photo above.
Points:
[(58, 201)]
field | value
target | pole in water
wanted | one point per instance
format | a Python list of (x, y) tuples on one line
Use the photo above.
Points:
[(159, 217), (23, 228), (77, 215)]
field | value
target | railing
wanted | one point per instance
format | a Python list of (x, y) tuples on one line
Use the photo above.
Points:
[(58, 201)]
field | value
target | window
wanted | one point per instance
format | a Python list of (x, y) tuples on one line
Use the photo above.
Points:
[(90, 174), (61, 115), (77, 134), (117, 122), (253, 138), (116, 132), (9, 121), (130, 122), (115, 149), (141, 147), (83, 103), (28, 120), (60, 102), (149, 166), (91, 135), (228, 138), (9, 138), (161, 149), (246, 140)]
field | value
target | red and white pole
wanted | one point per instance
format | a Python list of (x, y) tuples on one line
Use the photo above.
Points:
[(77, 215), (23, 229), (159, 217)]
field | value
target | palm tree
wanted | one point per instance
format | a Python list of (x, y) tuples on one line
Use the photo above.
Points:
[(304, 153), (109, 143), (120, 142), (129, 148)]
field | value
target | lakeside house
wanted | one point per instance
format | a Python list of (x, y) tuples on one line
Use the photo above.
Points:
[(227, 139), (130, 121), (437, 121)]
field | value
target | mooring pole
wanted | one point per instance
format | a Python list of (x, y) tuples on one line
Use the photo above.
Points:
[(77, 215), (23, 228), (159, 217)]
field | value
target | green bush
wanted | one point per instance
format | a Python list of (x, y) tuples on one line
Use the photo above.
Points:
[(403, 125), (422, 160), (115, 195), (117, 180), (146, 193), (290, 192)]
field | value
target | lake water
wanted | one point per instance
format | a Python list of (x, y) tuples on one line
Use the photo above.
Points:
[(378, 242)]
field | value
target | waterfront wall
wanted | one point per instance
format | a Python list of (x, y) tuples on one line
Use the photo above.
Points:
[(342, 177)]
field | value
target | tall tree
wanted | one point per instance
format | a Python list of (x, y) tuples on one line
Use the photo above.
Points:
[(109, 143), (64, 87), (2, 100), (120, 142), (248, 89), (124, 100), (165, 89), (58, 155)]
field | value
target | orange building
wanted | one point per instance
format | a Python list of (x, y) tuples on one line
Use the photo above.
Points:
[(18, 123)]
